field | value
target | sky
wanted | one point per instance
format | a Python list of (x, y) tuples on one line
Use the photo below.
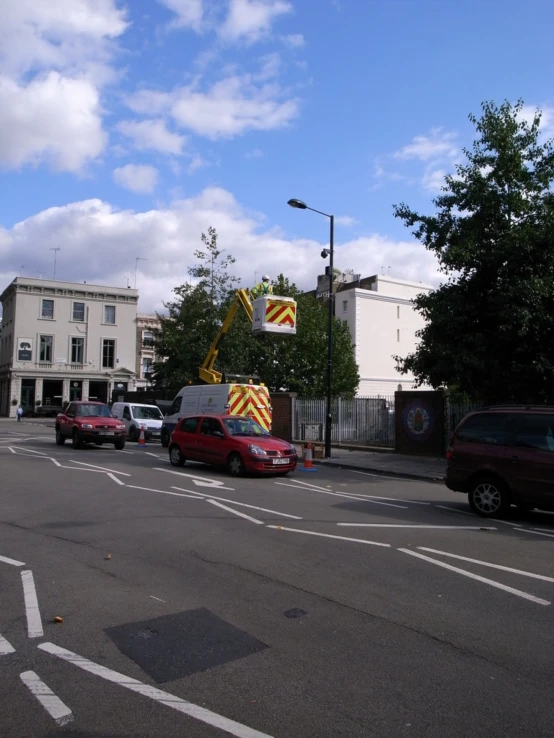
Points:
[(129, 127)]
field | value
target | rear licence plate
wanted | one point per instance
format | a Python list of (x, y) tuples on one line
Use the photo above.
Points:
[(108, 433), (280, 461)]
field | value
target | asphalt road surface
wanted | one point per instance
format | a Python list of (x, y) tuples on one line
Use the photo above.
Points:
[(333, 603)]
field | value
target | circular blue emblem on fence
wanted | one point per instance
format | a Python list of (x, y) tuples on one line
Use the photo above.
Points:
[(418, 420)]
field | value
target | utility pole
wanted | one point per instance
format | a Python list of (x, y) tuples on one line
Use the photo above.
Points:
[(55, 250)]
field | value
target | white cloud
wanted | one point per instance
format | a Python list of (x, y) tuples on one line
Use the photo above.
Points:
[(189, 13), (294, 40), (345, 220), (251, 20), (528, 112), (53, 119), (139, 178), (197, 162), (99, 244), (229, 108), (433, 179), (438, 144), (152, 135), (254, 154)]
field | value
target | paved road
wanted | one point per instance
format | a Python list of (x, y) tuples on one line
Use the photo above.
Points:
[(321, 604)]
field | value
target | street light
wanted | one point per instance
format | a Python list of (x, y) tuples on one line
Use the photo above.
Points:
[(299, 205)]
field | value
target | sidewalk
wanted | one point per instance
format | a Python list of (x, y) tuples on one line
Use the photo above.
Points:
[(396, 465)]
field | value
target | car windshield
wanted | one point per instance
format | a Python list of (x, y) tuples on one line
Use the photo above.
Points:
[(94, 411), (244, 427), (146, 413)]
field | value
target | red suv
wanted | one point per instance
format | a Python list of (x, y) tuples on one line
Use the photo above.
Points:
[(503, 456), (89, 422), (234, 441)]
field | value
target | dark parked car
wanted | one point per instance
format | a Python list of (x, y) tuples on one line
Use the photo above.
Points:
[(234, 441), (503, 456), (89, 422)]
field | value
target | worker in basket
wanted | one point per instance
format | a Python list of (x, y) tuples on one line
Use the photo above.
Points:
[(263, 288)]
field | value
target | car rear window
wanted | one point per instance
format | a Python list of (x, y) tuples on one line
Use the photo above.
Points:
[(535, 431), (489, 428)]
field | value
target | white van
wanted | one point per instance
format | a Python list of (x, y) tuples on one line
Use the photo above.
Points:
[(135, 415), (250, 400)]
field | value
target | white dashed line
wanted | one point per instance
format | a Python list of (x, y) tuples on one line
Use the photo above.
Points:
[(486, 563), (101, 468), (402, 525), (328, 535), (13, 562), (243, 504), (34, 621), (391, 499), (52, 704), (163, 492), (236, 512), (537, 533), (468, 574), (170, 700), (5, 647)]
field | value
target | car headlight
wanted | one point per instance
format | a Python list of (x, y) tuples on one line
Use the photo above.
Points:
[(87, 426), (120, 427), (256, 450)]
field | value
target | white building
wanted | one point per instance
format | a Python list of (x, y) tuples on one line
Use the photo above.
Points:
[(383, 324), (146, 325), (62, 341)]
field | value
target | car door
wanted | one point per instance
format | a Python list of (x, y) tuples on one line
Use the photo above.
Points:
[(532, 458), (211, 442), (187, 438), (66, 421)]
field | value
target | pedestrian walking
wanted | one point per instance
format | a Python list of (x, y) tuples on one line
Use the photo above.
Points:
[(19, 413)]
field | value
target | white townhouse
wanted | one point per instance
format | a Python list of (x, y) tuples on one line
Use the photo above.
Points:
[(62, 341), (146, 325)]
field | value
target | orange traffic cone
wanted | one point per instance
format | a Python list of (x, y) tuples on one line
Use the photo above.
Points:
[(308, 462), (142, 439)]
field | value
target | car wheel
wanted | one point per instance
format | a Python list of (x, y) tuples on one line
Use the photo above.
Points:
[(489, 497), (164, 439), (76, 439), (120, 444), (60, 440), (176, 458), (133, 435), (235, 465)]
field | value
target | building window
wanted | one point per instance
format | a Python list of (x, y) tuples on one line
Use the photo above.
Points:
[(345, 306), (45, 349), (108, 353), (146, 368), (398, 311), (109, 314), (398, 335), (77, 350), (47, 310), (79, 311), (147, 337)]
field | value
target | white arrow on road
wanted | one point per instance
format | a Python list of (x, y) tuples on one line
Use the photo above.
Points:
[(200, 481)]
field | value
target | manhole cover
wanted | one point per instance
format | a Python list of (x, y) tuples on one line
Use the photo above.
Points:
[(175, 646)]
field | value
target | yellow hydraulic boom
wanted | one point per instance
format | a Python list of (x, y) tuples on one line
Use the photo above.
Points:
[(207, 372)]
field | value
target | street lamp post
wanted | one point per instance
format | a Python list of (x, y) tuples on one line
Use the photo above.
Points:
[(330, 253)]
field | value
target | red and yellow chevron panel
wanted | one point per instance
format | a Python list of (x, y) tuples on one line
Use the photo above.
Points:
[(280, 312), (251, 401)]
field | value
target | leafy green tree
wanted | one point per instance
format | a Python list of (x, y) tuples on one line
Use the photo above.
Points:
[(489, 328)]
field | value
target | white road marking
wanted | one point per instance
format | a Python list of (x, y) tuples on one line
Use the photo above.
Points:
[(537, 532), (243, 504), (5, 647), (10, 440), (115, 479), (328, 535), (156, 598), (52, 704), (122, 451), (204, 481), (392, 499), (13, 562), (156, 456), (163, 492), (30, 451), (34, 621), (385, 476), (486, 563), (440, 527), (78, 468), (235, 512), (102, 468), (472, 515), (170, 700), (339, 494), (11, 449), (544, 530), (57, 463), (478, 578)]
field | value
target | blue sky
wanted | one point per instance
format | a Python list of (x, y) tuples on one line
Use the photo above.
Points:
[(127, 128)]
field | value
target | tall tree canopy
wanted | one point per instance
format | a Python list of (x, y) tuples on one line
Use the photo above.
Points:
[(490, 329), (293, 363)]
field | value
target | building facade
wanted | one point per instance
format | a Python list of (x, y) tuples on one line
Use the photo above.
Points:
[(383, 323), (62, 341), (146, 356)]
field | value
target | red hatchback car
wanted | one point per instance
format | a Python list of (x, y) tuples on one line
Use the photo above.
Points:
[(234, 441), (89, 422)]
